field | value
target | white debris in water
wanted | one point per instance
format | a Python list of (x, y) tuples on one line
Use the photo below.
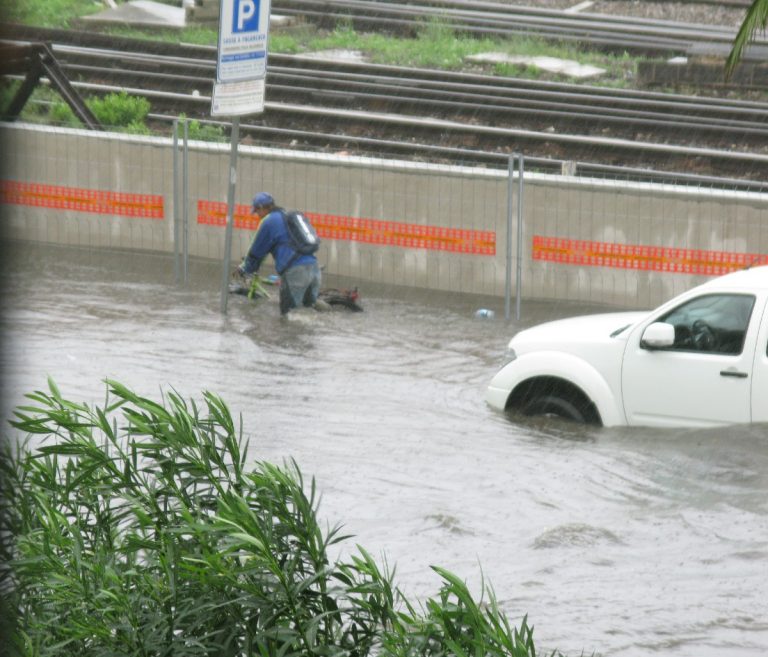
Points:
[(567, 67)]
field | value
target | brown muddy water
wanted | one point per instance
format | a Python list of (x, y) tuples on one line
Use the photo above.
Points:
[(621, 542)]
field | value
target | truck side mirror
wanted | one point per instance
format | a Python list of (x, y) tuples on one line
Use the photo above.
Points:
[(658, 335)]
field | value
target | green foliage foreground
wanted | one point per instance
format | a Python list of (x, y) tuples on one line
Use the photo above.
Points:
[(140, 529)]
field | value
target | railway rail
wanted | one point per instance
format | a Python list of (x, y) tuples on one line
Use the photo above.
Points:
[(481, 99), (740, 4), (608, 32), (452, 116)]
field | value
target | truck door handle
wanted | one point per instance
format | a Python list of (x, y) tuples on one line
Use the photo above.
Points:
[(734, 373)]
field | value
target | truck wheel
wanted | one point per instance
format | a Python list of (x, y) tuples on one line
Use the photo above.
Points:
[(553, 406)]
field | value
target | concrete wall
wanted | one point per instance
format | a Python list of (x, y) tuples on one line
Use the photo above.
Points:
[(718, 229)]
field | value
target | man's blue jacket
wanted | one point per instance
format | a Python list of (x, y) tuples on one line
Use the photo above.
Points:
[(272, 237)]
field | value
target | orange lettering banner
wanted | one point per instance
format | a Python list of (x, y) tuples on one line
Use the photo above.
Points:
[(371, 231), (214, 213), (149, 206), (647, 258)]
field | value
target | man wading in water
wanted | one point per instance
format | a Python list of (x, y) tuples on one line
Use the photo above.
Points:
[(299, 273)]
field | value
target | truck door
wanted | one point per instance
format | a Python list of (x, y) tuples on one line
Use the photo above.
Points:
[(705, 377), (760, 372)]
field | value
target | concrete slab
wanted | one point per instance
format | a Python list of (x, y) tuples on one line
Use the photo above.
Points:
[(587, 4), (553, 64), (278, 20), (337, 55), (141, 13)]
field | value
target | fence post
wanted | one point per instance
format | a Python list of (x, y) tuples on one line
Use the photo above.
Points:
[(519, 281), (230, 214), (176, 219), (185, 191), (508, 272)]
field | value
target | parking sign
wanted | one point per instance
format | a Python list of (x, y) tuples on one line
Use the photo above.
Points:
[(243, 31), (246, 16)]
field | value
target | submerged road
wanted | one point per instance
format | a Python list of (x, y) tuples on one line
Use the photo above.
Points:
[(622, 542)]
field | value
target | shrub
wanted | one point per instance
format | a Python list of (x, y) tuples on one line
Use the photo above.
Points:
[(119, 110), (116, 111), (139, 529), (62, 114), (202, 131)]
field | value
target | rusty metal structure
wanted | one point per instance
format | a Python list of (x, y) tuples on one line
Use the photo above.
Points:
[(34, 61)]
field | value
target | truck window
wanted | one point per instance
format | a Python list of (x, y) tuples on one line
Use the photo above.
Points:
[(712, 323)]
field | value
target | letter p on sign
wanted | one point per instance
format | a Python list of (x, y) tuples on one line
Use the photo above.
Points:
[(246, 16)]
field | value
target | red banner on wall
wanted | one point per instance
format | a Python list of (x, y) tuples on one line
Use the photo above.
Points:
[(371, 231), (647, 258), (148, 206), (214, 213), (395, 233)]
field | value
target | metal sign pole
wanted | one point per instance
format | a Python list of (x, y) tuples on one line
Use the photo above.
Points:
[(241, 68), (230, 214), (185, 192), (508, 277)]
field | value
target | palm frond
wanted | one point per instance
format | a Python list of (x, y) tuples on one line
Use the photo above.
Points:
[(754, 20)]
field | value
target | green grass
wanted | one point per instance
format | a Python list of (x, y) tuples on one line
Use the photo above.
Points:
[(47, 13), (143, 528), (436, 45), (196, 34)]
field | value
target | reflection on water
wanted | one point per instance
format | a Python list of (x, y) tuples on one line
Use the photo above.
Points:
[(621, 541)]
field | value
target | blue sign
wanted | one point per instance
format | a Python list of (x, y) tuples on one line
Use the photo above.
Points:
[(243, 28), (246, 16)]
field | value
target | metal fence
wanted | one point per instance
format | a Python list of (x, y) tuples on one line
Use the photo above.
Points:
[(476, 230)]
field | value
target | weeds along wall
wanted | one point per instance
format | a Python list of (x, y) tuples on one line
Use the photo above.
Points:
[(402, 223)]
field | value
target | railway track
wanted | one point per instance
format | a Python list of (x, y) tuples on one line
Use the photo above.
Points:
[(489, 19), (476, 98), (452, 116)]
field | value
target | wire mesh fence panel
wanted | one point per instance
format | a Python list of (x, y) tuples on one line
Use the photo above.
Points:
[(396, 221)]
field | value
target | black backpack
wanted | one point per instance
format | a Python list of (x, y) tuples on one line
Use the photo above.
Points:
[(301, 232), (302, 235)]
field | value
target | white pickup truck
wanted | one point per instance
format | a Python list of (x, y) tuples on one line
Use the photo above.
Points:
[(700, 359)]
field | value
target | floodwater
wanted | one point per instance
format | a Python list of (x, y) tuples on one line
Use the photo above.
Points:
[(621, 542)]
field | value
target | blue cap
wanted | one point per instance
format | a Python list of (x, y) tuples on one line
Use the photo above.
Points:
[(262, 199)]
